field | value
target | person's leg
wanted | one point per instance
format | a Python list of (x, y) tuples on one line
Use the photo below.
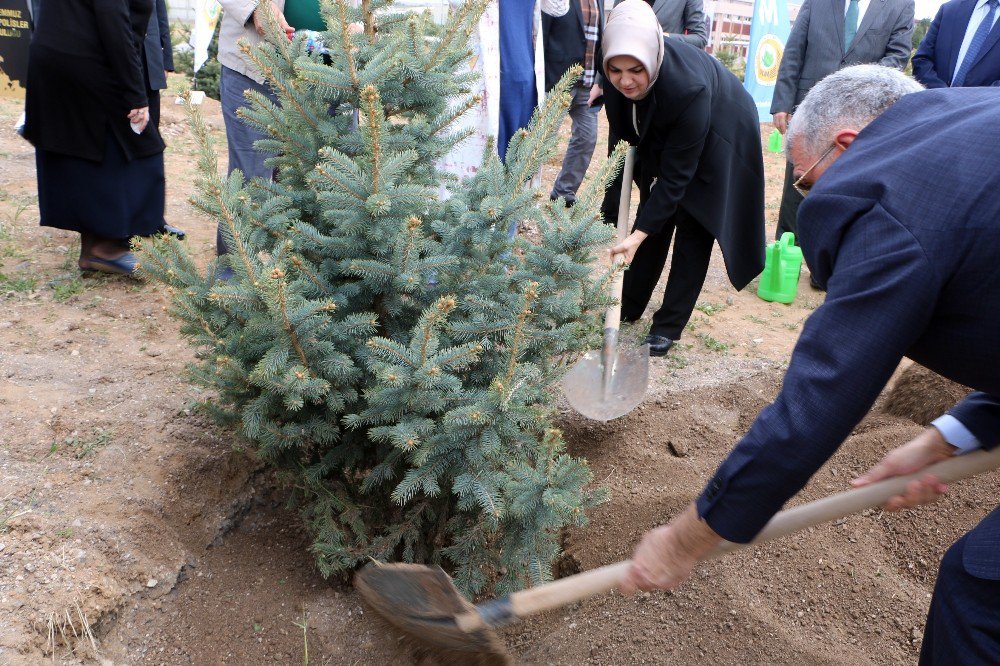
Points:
[(240, 137), (963, 624), (790, 201), (581, 146), (644, 272), (688, 268)]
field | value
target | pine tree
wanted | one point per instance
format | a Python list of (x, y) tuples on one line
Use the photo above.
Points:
[(390, 349)]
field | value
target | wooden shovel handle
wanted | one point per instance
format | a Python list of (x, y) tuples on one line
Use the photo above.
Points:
[(598, 581), (612, 317)]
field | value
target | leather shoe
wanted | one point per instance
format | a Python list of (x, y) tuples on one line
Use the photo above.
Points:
[(179, 234), (658, 345), (123, 265)]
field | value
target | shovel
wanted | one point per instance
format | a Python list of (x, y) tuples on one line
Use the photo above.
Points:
[(610, 384), (424, 603)]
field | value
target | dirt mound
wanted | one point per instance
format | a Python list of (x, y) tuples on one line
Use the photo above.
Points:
[(922, 395)]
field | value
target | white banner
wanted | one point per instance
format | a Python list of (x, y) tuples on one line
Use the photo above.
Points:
[(206, 15)]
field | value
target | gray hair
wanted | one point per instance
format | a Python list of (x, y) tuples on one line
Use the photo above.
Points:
[(850, 98)]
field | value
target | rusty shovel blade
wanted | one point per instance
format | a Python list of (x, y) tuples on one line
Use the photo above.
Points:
[(603, 390)]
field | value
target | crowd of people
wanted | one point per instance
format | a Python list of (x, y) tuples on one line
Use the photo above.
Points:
[(901, 226)]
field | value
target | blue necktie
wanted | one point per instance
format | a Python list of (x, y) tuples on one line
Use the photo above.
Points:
[(982, 32), (851, 24)]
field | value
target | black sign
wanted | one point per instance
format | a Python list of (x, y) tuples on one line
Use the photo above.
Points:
[(14, 38)]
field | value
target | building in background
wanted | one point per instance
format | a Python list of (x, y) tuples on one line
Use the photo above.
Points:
[(729, 24)]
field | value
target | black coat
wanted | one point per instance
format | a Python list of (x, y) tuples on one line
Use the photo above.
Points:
[(159, 51), (565, 44), (698, 147), (85, 73)]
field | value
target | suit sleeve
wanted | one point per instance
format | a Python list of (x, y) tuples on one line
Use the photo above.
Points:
[(980, 413), (679, 158), (925, 67), (790, 69), (694, 24), (164, 23), (897, 51), (123, 50), (875, 309)]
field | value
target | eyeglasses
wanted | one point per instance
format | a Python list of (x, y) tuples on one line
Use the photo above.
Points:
[(803, 188)]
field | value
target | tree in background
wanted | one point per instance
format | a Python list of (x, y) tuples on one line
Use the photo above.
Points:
[(383, 342)]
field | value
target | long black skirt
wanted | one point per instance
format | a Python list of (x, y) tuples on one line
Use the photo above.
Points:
[(113, 199)]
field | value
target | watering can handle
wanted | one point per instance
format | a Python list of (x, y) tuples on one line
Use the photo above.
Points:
[(612, 317)]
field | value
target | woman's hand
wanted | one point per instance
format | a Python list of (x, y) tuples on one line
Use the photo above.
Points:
[(628, 247), (139, 118)]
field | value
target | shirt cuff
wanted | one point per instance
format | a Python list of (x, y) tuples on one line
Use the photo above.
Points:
[(956, 434)]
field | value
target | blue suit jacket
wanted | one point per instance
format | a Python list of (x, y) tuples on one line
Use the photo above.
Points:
[(908, 246), (934, 63)]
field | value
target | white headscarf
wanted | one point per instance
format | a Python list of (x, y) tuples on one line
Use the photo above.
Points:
[(633, 30)]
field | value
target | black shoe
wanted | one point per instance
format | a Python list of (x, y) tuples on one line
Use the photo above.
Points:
[(658, 344), (179, 234)]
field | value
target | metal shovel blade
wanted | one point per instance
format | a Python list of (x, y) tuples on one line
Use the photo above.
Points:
[(604, 398)]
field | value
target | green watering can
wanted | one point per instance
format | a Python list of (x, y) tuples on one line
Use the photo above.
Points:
[(780, 280), (774, 142)]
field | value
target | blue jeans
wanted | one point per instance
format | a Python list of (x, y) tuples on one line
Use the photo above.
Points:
[(240, 137)]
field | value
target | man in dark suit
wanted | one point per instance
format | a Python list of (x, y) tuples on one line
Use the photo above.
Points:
[(683, 20), (960, 47), (159, 58), (906, 243), (829, 35), (575, 39)]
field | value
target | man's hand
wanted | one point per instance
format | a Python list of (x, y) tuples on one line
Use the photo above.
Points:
[(628, 246), (595, 92), (666, 555), (259, 20), (922, 451), (781, 121)]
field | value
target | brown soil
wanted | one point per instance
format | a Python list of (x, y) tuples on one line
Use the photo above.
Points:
[(133, 531), (922, 395)]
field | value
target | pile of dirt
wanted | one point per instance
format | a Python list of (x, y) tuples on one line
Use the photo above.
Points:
[(922, 395)]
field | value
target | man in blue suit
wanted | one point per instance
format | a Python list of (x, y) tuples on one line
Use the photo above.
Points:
[(903, 229), (960, 48)]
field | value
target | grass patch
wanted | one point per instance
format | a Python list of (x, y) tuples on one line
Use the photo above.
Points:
[(84, 447), (19, 285), (710, 308), (63, 291), (712, 344), (757, 320)]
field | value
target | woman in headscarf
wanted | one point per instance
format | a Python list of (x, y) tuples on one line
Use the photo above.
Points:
[(699, 167)]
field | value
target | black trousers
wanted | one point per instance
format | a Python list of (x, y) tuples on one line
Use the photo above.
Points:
[(688, 268), (789, 211)]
